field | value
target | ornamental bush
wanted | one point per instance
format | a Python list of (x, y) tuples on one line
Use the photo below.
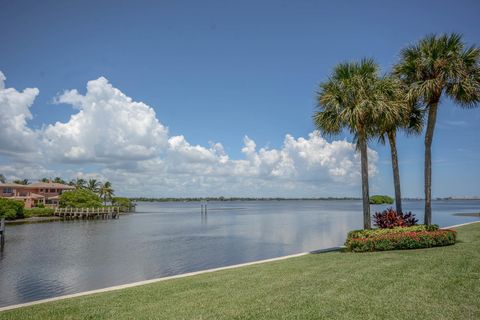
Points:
[(390, 219), (370, 233), (402, 240), (11, 209)]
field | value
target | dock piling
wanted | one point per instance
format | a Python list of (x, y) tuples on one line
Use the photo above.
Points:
[(2, 232), (89, 213)]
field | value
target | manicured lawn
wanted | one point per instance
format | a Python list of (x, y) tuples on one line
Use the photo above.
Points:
[(439, 283)]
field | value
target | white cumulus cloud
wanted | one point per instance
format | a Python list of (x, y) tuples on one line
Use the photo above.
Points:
[(108, 126), (15, 135), (109, 135)]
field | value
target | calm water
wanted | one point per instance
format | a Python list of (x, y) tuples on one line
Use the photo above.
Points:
[(51, 259)]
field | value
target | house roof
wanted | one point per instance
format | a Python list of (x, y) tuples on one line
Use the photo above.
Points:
[(52, 185), (12, 185)]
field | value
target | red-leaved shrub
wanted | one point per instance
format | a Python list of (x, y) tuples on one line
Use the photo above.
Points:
[(391, 219)]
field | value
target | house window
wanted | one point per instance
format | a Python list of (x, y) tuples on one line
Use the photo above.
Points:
[(52, 190), (41, 190), (7, 190)]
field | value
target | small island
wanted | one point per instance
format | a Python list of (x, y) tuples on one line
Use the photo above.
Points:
[(381, 199)]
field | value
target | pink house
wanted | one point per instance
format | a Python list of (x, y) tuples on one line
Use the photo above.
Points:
[(45, 193)]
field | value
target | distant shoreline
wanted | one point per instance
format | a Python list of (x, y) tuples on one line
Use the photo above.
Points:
[(472, 214), (144, 199)]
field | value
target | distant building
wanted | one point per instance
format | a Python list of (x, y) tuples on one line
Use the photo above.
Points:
[(41, 193)]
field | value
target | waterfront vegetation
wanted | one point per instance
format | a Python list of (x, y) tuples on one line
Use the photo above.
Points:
[(471, 214), (14, 210), (11, 209), (38, 212), (438, 283), (379, 199), (80, 198)]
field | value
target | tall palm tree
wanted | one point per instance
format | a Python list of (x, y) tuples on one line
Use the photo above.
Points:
[(93, 185), (2, 178), (106, 192), (434, 67), (406, 117), (45, 180), (352, 98), (78, 183)]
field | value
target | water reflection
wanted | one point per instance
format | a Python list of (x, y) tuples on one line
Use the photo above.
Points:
[(161, 239)]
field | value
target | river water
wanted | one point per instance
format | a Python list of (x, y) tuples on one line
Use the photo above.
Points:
[(45, 260)]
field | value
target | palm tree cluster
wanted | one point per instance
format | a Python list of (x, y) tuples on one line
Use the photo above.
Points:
[(103, 189), (358, 98)]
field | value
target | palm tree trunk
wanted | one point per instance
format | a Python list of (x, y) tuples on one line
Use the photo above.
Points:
[(362, 143), (432, 117), (396, 172)]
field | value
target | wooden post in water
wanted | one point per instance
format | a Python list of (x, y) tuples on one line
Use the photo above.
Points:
[(203, 207), (2, 232)]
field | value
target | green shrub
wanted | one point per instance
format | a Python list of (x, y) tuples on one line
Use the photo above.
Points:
[(379, 199), (39, 212), (402, 240), (11, 209), (380, 232), (80, 198)]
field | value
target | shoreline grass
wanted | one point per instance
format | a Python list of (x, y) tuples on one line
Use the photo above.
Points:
[(436, 283)]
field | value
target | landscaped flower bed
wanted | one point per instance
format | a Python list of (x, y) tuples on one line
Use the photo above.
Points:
[(414, 237)]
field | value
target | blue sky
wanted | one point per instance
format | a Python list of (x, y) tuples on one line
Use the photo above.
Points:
[(217, 71)]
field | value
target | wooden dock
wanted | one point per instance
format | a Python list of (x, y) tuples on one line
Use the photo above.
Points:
[(88, 213)]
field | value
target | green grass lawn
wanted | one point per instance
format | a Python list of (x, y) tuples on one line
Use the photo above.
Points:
[(438, 283)]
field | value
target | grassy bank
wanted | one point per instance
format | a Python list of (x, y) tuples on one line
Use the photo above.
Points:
[(438, 283)]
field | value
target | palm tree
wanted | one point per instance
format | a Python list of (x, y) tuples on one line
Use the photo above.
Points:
[(106, 192), (353, 98), (2, 178), (436, 66), (78, 183), (45, 180), (93, 185), (406, 117), (21, 181), (59, 180)]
